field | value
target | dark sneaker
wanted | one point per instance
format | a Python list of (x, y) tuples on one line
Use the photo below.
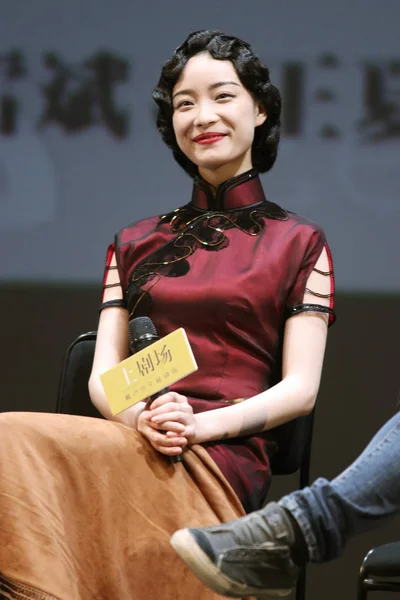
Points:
[(246, 557)]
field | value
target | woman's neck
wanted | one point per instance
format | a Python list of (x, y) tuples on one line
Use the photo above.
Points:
[(215, 177), (242, 190)]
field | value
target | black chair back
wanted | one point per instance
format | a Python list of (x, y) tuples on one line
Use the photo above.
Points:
[(73, 393), (295, 454)]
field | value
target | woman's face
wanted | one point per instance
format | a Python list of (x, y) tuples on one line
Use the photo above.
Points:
[(214, 118)]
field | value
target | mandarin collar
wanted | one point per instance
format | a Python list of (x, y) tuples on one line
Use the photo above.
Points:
[(239, 191)]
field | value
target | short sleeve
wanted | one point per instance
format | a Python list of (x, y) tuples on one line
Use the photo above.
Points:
[(314, 287), (112, 291)]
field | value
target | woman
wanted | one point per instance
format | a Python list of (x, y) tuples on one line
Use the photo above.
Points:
[(88, 506)]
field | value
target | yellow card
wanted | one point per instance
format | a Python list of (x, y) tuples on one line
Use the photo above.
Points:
[(148, 371)]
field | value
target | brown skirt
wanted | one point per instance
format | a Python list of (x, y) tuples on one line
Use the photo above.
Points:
[(87, 508)]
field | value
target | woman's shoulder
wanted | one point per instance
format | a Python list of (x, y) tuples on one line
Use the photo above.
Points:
[(298, 225), (287, 219), (138, 229), (297, 234), (303, 222), (158, 224)]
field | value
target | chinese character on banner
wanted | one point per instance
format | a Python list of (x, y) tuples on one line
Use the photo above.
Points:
[(381, 100), (12, 67), (78, 97), (163, 356), (145, 365), (327, 73), (293, 86)]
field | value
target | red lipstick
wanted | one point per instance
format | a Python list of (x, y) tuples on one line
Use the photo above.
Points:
[(209, 138)]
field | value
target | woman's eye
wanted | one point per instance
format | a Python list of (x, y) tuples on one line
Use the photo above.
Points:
[(184, 104), (224, 96)]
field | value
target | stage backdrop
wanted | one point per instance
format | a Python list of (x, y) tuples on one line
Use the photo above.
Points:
[(80, 156)]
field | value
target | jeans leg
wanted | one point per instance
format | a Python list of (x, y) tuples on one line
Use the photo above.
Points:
[(368, 491)]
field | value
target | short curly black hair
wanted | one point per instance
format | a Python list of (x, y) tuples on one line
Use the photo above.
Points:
[(254, 77)]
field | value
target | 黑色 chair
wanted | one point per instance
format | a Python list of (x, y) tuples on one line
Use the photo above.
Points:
[(380, 570)]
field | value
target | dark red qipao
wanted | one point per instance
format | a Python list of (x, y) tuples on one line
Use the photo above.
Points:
[(230, 270)]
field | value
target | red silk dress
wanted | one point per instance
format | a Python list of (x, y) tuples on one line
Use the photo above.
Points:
[(229, 269)]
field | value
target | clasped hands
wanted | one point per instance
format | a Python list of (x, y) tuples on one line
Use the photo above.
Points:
[(169, 423)]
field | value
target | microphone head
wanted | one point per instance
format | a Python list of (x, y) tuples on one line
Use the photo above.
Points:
[(142, 333)]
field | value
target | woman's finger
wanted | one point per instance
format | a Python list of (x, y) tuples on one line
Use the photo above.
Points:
[(171, 397), (166, 408), (169, 445), (160, 439), (172, 434), (176, 415), (171, 442), (170, 451), (176, 427)]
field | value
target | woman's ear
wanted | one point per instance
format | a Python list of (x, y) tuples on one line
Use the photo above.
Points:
[(261, 115)]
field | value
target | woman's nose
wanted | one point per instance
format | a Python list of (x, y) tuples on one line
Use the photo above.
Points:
[(205, 114)]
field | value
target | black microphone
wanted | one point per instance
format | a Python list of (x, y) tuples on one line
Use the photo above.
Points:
[(142, 333)]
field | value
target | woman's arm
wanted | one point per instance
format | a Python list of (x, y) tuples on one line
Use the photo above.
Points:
[(303, 353), (112, 346), (295, 395)]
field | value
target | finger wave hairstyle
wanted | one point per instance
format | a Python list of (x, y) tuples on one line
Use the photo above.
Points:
[(254, 76)]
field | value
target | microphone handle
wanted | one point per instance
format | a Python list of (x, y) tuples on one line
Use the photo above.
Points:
[(154, 396), (147, 337)]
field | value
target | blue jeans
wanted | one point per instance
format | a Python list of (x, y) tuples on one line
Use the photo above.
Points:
[(359, 499)]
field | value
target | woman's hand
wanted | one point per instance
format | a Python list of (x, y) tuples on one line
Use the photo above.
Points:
[(172, 412), (169, 423)]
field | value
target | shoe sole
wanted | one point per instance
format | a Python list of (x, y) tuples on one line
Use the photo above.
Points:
[(197, 560)]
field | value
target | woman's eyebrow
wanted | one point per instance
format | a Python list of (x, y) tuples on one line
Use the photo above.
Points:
[(210, 87)]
